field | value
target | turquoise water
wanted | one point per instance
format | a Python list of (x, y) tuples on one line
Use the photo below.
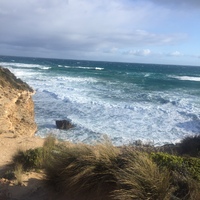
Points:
[(126, 101)]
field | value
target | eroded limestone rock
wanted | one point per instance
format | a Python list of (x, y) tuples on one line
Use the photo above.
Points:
[(16, 105)]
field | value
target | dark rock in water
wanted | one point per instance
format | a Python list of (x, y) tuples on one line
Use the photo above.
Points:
[(64, 124)]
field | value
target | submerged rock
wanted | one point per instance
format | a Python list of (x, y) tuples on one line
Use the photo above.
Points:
[(16, 105), (64, 124)]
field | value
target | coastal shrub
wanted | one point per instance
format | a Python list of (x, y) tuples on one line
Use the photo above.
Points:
[(30, 159), (84, 172), (35, 158), (141, 178), (190, 146), (183, 165), (185, 172)]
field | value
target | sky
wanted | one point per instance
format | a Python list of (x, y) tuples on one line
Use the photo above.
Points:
[(137, 31)]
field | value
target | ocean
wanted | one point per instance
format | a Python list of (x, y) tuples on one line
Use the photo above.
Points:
[(126, 102)]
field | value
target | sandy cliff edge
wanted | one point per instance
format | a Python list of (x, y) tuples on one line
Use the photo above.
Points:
[(16, 105)]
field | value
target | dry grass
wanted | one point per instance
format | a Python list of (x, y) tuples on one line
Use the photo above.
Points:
[(142, 179), (106, 172), (18, 171), (83, 170)]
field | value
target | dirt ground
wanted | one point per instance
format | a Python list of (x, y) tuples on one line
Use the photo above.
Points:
[(32, 187)]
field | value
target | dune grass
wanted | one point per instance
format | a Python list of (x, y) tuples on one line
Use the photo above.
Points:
[(105, 172), (141, 178), (83, 171)]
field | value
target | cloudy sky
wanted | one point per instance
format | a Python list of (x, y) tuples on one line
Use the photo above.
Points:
[(144, 31)]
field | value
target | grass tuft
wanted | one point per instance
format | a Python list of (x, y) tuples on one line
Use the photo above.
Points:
[(83, 170), (141, 178), (18, 171)]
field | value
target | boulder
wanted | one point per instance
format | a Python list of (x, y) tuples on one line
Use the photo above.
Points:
[(64, 124)]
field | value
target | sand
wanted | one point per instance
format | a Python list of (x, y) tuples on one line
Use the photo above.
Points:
[(33, 187)]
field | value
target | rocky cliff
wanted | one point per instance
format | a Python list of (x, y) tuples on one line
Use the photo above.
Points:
[(16, 105)]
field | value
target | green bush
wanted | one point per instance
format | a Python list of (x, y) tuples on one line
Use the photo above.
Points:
[(36, 158), (185, 173), (30, 159), (183, 165)]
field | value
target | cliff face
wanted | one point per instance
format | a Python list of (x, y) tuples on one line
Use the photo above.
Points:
[(16, 105)]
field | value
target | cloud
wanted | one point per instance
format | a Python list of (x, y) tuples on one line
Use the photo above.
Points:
[(79, 28), (144, 52), (175, 54), (77, 25)]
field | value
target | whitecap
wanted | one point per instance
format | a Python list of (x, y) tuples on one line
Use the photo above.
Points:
[(65, 66), (80, 67), (22, 65), (45, 68), (186, 78), (147, 75), (99, 68)]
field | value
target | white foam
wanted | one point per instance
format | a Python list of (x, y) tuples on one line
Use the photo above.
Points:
[(23, 65), (81, 67), (147, 75), (76, 79), (45, 68), (139, 120), (186, 78), (92, 105), (99, 68)]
